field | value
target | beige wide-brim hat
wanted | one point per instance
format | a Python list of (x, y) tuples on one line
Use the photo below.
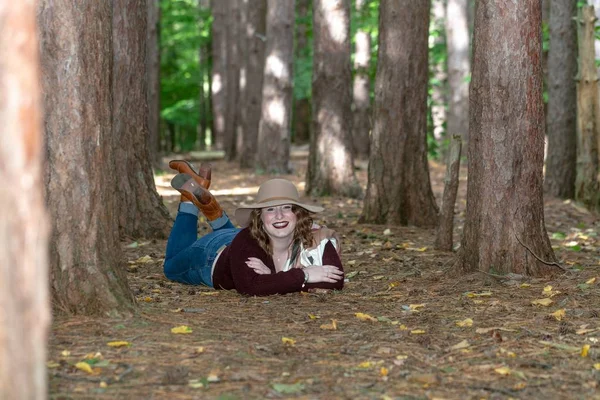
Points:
[(274, 192)]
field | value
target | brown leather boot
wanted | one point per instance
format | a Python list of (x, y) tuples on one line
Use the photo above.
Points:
[(202, 198), (202, 177)]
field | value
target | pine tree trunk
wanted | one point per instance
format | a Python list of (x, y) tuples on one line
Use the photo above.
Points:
[(331, 163), (153, 79), (562, 101), (302, 107), (219, 71), (233, 79), (587, 188), (459, 68), (76, 59), (504, 228), (445, 228), (140, 208), (438, 90), (24, 227), (275, 123), (255, 66), (361, 93), (399, 188)]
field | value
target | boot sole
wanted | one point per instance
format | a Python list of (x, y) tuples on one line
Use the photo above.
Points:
[(187, 185), (206, 181)]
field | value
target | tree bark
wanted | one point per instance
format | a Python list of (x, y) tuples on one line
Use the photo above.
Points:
[(275, 123), (443, 238), (561, 118), (361, 93), (76, 59), (587, 189), (255, 37), (504, 228), (140, 208), (438, 90), (399, 188), (302, 107), (24, 302), (219, 71), (153, 79), (331, 163), (459, 68), (233, 79)]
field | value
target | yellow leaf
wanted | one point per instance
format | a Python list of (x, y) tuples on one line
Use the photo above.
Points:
[(387, 232), (365, 317), (65, 353), (403, 327), (482, 294), (200, 349), (366, 364), (559, 314), (597, 366), (330, 327), (542, 302), (525, 285), (384, 371), (52, 364), (118, 344), (393, 284), (462, 345), (84, 367), (503, 371), (213, 293), (465, 323), (416, 307), (421, 249), (520, 386), (591, 281), (142, 260), (417, 332), (147, 299), (584, 350), (181, 329), (312, 316), (288, 341), (548, 289), (103, 385)]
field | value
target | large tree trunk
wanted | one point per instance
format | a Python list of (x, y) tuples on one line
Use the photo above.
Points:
[(399, 189), (233, 79), (24, 305), (242, 45), (504, 228), (275, 123), (562, 101), (587, 189), (153, 79), (219, 71), (459, 68), (330, 163), (140, 208), (255, 37), (361, 93), (301, 115), (76, 59)]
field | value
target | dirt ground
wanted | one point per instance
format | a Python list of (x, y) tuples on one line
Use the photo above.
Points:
[(406, 326)]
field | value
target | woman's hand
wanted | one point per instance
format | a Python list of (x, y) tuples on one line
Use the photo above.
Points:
[(258, 266), (325, 273)]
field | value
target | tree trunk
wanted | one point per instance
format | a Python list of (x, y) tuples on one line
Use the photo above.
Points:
[(233, 79), (153, 79), (459, 68), (301, 114), (274, 129), (504, 228), (361, 93), (242, 44), (140, 208), (76, 59), (586, 187), (443, 238), (24, 302), (399, 189), (255, 37), (437, 68), (561, 118), (219, 71), (331, 164)]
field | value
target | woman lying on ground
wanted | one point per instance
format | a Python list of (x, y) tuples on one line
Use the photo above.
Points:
[(278, 251)]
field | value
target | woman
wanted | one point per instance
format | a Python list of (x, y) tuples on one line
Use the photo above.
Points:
[(278, 251)]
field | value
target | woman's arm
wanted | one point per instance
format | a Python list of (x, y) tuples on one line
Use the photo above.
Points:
[(330, 257)]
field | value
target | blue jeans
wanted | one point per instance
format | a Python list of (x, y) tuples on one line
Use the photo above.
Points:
[(189, 259)]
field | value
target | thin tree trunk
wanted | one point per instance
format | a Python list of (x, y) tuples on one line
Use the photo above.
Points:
[(399, 188), (443, 239), (233, 79), (140, 208), (153, 79), (331, 164), (85, 255), (24, 301), (219, 71), (361, 93), (302, 107), (586, 187), (561, 170), (275, 123), (504, 228), (459, 68), (241, 110), (438, 71), (255, 37)]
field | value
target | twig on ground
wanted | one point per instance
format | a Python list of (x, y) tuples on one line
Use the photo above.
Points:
[(539, 259)]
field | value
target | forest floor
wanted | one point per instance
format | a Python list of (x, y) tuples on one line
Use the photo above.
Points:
[(406, 326)]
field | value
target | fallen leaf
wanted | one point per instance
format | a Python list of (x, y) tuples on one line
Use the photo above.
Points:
[(462, 345), (330, 327), (483, 331), (503, 371), (200, 349), (525, 285), (425, 379), (597, 366), (288, 341), (387, 232), (142, 260), (52, 364), (416, 307), (352, 274), (417, 332), (365, 317), (482, 294), (84, 367), (547, 289), (366, 364), (591, 281), (196, 384), (183, 329), (383, 371), (403, 327), (542, 302), (559, 314), (583, 331), (585, 350), (313, 317), (118, 344), (465, 323), (65, 353)]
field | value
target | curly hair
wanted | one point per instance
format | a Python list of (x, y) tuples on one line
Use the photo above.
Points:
[(302, 233)]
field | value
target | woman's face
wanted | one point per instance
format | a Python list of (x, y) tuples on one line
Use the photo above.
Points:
[(279, 221)]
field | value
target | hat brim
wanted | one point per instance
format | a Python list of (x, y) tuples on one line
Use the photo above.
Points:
[(242, 214)]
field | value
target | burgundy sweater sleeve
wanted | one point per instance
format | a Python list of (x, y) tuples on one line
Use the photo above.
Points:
[(330, 257)]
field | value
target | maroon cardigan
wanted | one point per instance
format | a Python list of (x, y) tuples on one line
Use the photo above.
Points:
[(231, 271)]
